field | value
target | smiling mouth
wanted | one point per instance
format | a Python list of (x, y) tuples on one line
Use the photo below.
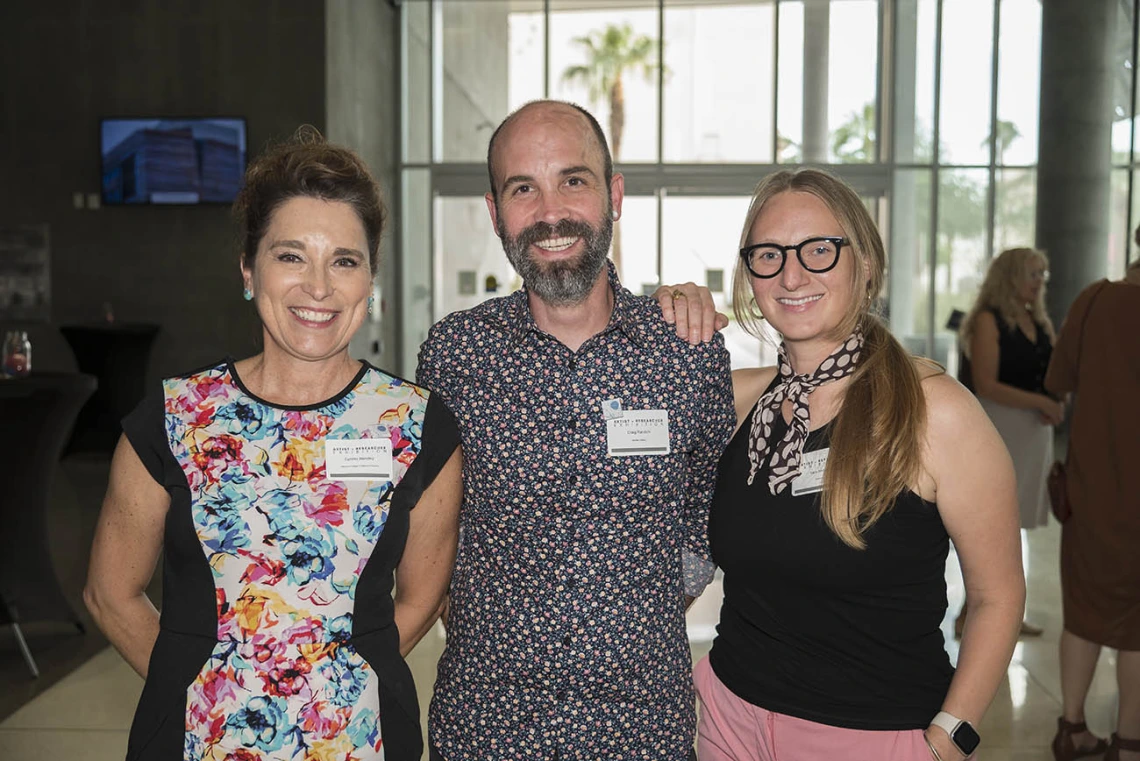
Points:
[(800, 301), (555, 245), (310, 315)]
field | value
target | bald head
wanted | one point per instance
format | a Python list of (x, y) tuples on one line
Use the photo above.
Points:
[(534, 116)]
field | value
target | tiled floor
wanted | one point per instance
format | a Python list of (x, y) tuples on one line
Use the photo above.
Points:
[(86, 715)]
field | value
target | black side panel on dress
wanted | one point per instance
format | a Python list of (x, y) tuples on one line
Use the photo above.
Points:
[(158, 732), (378, 642), (440, 438), (189, 619), (374, 632)]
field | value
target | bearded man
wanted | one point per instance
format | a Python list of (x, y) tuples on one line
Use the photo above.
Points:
[(591, 433)]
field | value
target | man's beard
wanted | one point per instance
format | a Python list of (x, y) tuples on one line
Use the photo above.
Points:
[(560, 282)]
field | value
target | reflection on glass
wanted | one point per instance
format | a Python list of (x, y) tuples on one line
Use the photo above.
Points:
[(851, 86), (718, 88), (638, 271), (475, 87), (790, 95), (1015, 208), (960, 250), (606, 60), (967, 42), (1019, 76), (1018, 685), (470, 266), (908, 260), (701, 234), (915, 35), (1119, 234)]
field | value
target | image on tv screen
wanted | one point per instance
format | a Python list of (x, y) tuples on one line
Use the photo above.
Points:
[(172, 161)]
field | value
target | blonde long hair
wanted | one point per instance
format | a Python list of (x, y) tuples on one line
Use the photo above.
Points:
[(877, 435), (1004, 278)]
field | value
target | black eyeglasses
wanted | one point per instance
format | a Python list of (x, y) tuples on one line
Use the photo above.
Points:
[(765, 260)]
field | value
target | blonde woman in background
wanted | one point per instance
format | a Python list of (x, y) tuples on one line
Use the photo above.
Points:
[(852, 467), (1007, 339)]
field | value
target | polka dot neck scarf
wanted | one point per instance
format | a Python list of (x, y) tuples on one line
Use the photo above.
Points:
[(785, 466)]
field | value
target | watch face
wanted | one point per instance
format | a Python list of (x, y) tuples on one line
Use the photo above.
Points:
[(966, 738)]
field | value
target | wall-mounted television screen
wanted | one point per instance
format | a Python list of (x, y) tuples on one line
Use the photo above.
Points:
[(172, 161)]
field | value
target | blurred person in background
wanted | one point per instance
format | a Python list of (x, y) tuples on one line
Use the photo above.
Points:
[(1097, 358), (1007, 339)]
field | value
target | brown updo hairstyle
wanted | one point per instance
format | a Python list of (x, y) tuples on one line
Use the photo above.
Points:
[(306, 165)]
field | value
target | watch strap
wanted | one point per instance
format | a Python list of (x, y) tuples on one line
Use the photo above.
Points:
[(946, 721), (952, 724)]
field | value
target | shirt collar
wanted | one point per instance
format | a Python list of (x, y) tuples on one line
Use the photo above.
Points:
[(520, 319)]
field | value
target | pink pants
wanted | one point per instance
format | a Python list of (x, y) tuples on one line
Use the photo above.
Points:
[(731, 729)]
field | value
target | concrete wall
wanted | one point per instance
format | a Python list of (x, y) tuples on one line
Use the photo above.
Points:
[(66, 63), (363, 101)]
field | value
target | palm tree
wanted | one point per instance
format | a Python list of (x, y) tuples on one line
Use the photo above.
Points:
[(1007, 132), (611, 53), (854, 140)]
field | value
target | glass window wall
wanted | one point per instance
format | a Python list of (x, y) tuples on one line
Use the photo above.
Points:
[(700, 99)]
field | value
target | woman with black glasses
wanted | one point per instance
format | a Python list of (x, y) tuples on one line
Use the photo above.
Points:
[(852, 467)]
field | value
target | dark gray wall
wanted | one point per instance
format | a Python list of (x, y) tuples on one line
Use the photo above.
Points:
[(66, 63)]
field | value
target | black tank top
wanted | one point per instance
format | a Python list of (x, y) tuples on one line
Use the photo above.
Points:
[(1021, 363), (814, 629)]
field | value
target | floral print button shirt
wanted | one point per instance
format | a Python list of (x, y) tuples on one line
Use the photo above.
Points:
[(566, 635)]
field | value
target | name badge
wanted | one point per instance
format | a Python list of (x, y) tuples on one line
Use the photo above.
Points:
[(810, 479), (638, 432), (358, 459)]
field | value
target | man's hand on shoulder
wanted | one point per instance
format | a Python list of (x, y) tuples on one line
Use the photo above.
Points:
[(689, 307)]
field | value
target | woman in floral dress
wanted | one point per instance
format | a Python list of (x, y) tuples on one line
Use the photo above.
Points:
[(285, 491)]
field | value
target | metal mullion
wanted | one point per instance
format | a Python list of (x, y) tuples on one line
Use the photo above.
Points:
[(433, 8), (991, 193), (545, 48), (660, 137), (1132, 133), (932, 262), (882, 89), (435, 24), (660, 194), (889, 24), (660, 81), (776, 84), (397, 199)]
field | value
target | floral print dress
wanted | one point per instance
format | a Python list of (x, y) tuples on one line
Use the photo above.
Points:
[(277, 639)]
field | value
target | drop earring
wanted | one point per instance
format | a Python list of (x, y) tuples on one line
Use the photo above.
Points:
[(371, 303), (247, 294)]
